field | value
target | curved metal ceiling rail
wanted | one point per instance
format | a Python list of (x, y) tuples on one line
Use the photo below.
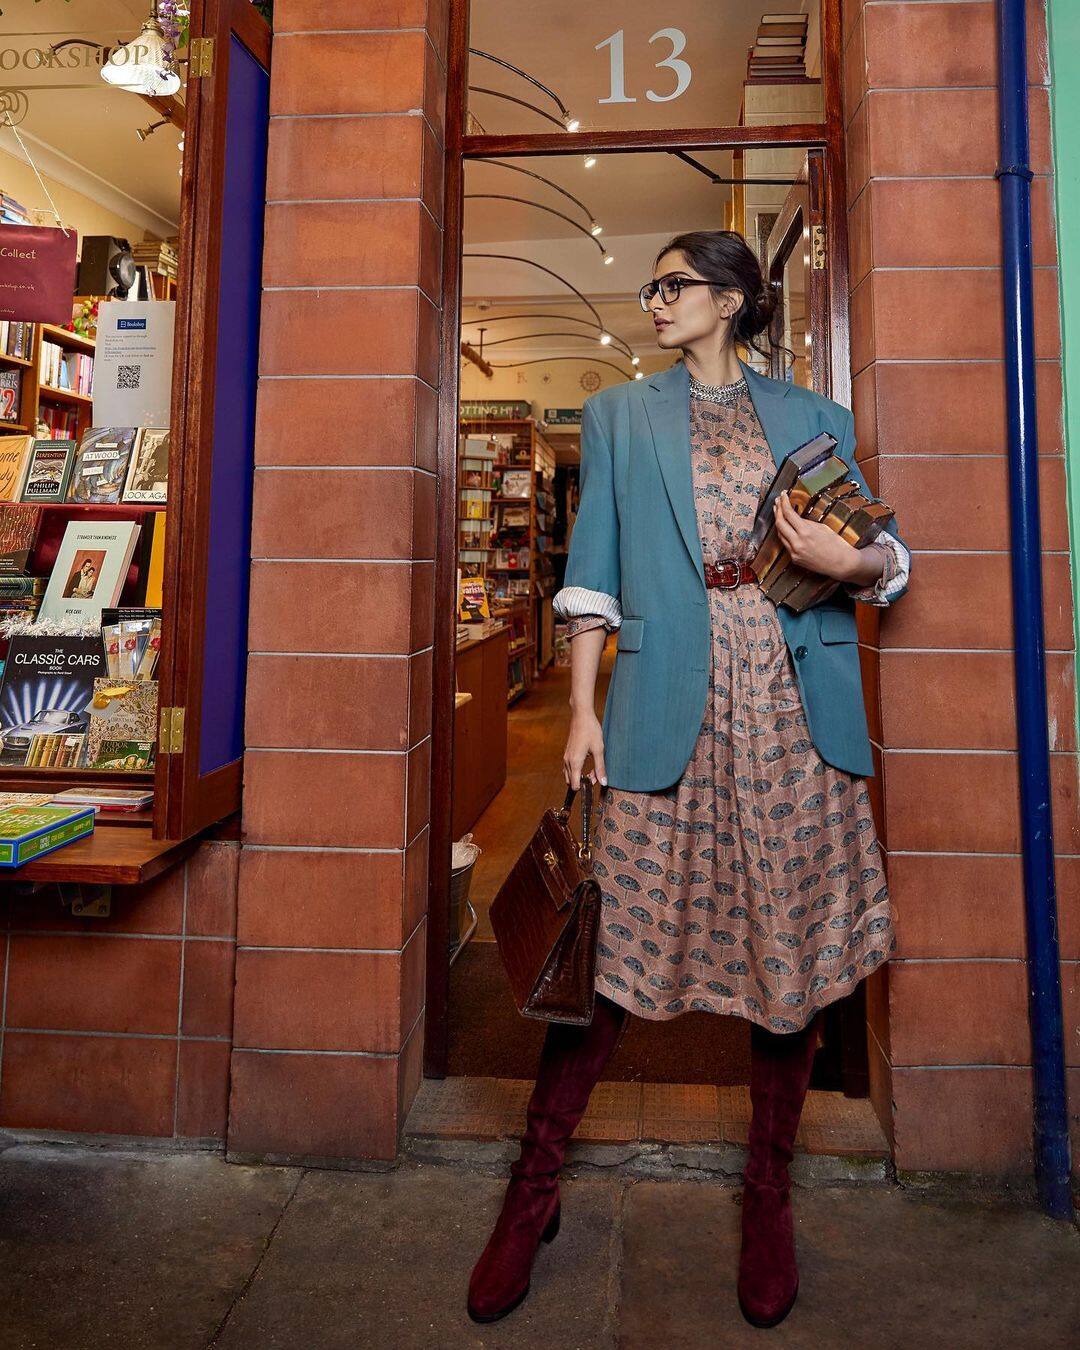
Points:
[(617, 343), (524, 201), (486, 319), (510, 98), (513, 257), (506, 65), (529, 173), (543, 360)]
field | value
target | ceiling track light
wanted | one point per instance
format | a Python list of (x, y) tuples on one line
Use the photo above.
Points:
[(524, 201), (590, 161), (144, 133), (489, 319), (570, 123), (543, 360), (513, 257), (594, 229)]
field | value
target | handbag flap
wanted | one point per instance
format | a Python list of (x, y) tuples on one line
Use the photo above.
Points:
[(555, 859)]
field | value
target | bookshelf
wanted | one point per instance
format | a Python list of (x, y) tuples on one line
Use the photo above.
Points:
[(517, 503), (68, 412)]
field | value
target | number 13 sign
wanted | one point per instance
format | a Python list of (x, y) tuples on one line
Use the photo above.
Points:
[(681, 69)]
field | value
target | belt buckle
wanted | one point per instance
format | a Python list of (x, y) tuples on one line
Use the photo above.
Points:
[(733, 570)]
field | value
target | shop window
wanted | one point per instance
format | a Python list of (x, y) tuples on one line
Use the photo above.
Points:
[(627, 65), (135, 562)]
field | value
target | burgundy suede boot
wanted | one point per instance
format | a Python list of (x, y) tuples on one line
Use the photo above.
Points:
[(780, 1065), (571, 1062)]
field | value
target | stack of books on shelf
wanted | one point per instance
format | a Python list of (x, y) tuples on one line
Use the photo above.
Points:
[(16, 339), (13, 212), (67, 370), (780, 49), (158, 256)]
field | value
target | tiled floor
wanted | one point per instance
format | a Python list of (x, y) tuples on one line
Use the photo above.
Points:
[(494, 1108)]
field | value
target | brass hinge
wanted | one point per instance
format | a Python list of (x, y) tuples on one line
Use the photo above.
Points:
[(171, 732), (200, 58), (817, 247)]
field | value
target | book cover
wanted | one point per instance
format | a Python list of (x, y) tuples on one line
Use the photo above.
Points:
[(19, 525), (148, 473), (48, 472), (10, 395), (14, 456), (155, 572), (121, 710), (47, 684), (124, 756), (101, 465), (28, 832), (90, 569), (106, 799)]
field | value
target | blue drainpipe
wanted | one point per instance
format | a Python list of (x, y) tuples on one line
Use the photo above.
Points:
[(1051, 1141)]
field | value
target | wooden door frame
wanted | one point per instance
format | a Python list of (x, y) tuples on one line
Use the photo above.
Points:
[(828, 136)]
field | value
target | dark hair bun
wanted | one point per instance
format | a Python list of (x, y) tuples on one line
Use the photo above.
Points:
[(724, 258)]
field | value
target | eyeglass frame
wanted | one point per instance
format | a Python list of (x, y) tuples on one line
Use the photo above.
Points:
[(657, 285)]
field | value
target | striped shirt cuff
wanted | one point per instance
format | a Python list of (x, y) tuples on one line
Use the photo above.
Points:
[(573, 601), (894, 576)]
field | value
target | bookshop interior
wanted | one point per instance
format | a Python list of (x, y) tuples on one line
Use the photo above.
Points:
[(555, 249), (98, 194)]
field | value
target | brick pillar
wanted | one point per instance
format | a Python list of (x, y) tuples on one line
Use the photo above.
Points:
[(950, 1043), (331, 931)]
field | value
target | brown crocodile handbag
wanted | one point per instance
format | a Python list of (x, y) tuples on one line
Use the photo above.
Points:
[(546, 918)]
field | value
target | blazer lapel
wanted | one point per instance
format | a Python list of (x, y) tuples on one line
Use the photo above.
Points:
[(667, 405)]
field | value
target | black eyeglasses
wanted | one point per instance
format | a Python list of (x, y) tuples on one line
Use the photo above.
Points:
[(669, 288)]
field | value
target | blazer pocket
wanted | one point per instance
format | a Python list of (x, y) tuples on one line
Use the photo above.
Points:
[(628, 638), (838, 625)]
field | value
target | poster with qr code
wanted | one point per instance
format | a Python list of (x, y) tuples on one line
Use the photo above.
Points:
[(133, 366)]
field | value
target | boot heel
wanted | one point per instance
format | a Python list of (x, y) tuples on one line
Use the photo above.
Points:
[(551, 1231)]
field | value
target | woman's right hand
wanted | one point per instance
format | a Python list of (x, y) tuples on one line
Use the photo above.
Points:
[(586, 738)]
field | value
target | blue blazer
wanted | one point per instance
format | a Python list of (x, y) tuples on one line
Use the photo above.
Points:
[(636, 538)]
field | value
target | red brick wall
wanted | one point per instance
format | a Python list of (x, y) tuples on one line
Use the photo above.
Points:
[(950, 1045), (122, 1025), (333, 887)]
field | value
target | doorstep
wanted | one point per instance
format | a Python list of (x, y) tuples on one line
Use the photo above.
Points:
[(696, 1125)]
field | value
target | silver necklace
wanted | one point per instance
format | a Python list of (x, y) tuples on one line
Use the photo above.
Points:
[(727, 394)]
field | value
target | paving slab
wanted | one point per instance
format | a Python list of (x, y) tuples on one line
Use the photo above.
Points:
[(132, 1251), (383, 1262), (878, 1268)]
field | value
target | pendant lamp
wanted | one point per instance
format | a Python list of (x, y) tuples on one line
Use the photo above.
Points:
[(144, 65)]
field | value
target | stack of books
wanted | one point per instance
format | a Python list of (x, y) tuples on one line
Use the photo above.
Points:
[(16, 339), (62, 369), (819, 488), (13, 212), (156, 255), (780, 49)]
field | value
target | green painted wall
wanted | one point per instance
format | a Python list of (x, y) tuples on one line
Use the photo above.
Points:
[(1063, 20)]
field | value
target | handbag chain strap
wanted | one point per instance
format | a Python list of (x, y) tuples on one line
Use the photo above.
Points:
[(585, 847)]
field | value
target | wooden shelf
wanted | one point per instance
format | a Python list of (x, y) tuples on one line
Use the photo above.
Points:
[(73, 341), (5, 427), (63, 395), (112, 855), (6, 360)]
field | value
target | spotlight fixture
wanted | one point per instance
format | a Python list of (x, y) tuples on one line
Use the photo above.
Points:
[(144, 133), (590, 161), (605, 339), (609, 259), (596, 229), (144, 65), (639, 375), (571, 123), (635, 360)]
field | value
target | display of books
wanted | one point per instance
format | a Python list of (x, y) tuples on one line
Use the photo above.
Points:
[(148, 473), (90, 569), (10, 395), (47, 685), (132, 639), (101, 464), (48, 472), (124, 756), (19, 526), (106, 799), (517, 483)]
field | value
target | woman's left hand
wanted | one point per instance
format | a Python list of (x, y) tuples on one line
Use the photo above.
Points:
[(814, 547)]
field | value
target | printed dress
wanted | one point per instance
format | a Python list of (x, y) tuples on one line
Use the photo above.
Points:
[(754, 886)]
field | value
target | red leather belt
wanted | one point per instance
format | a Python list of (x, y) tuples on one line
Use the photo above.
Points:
[(727, 575)]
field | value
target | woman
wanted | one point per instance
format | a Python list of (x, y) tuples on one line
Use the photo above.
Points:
[(736, 854)]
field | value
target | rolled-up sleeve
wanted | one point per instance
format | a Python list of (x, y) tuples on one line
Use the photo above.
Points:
[(896, 571), (592, 584)]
